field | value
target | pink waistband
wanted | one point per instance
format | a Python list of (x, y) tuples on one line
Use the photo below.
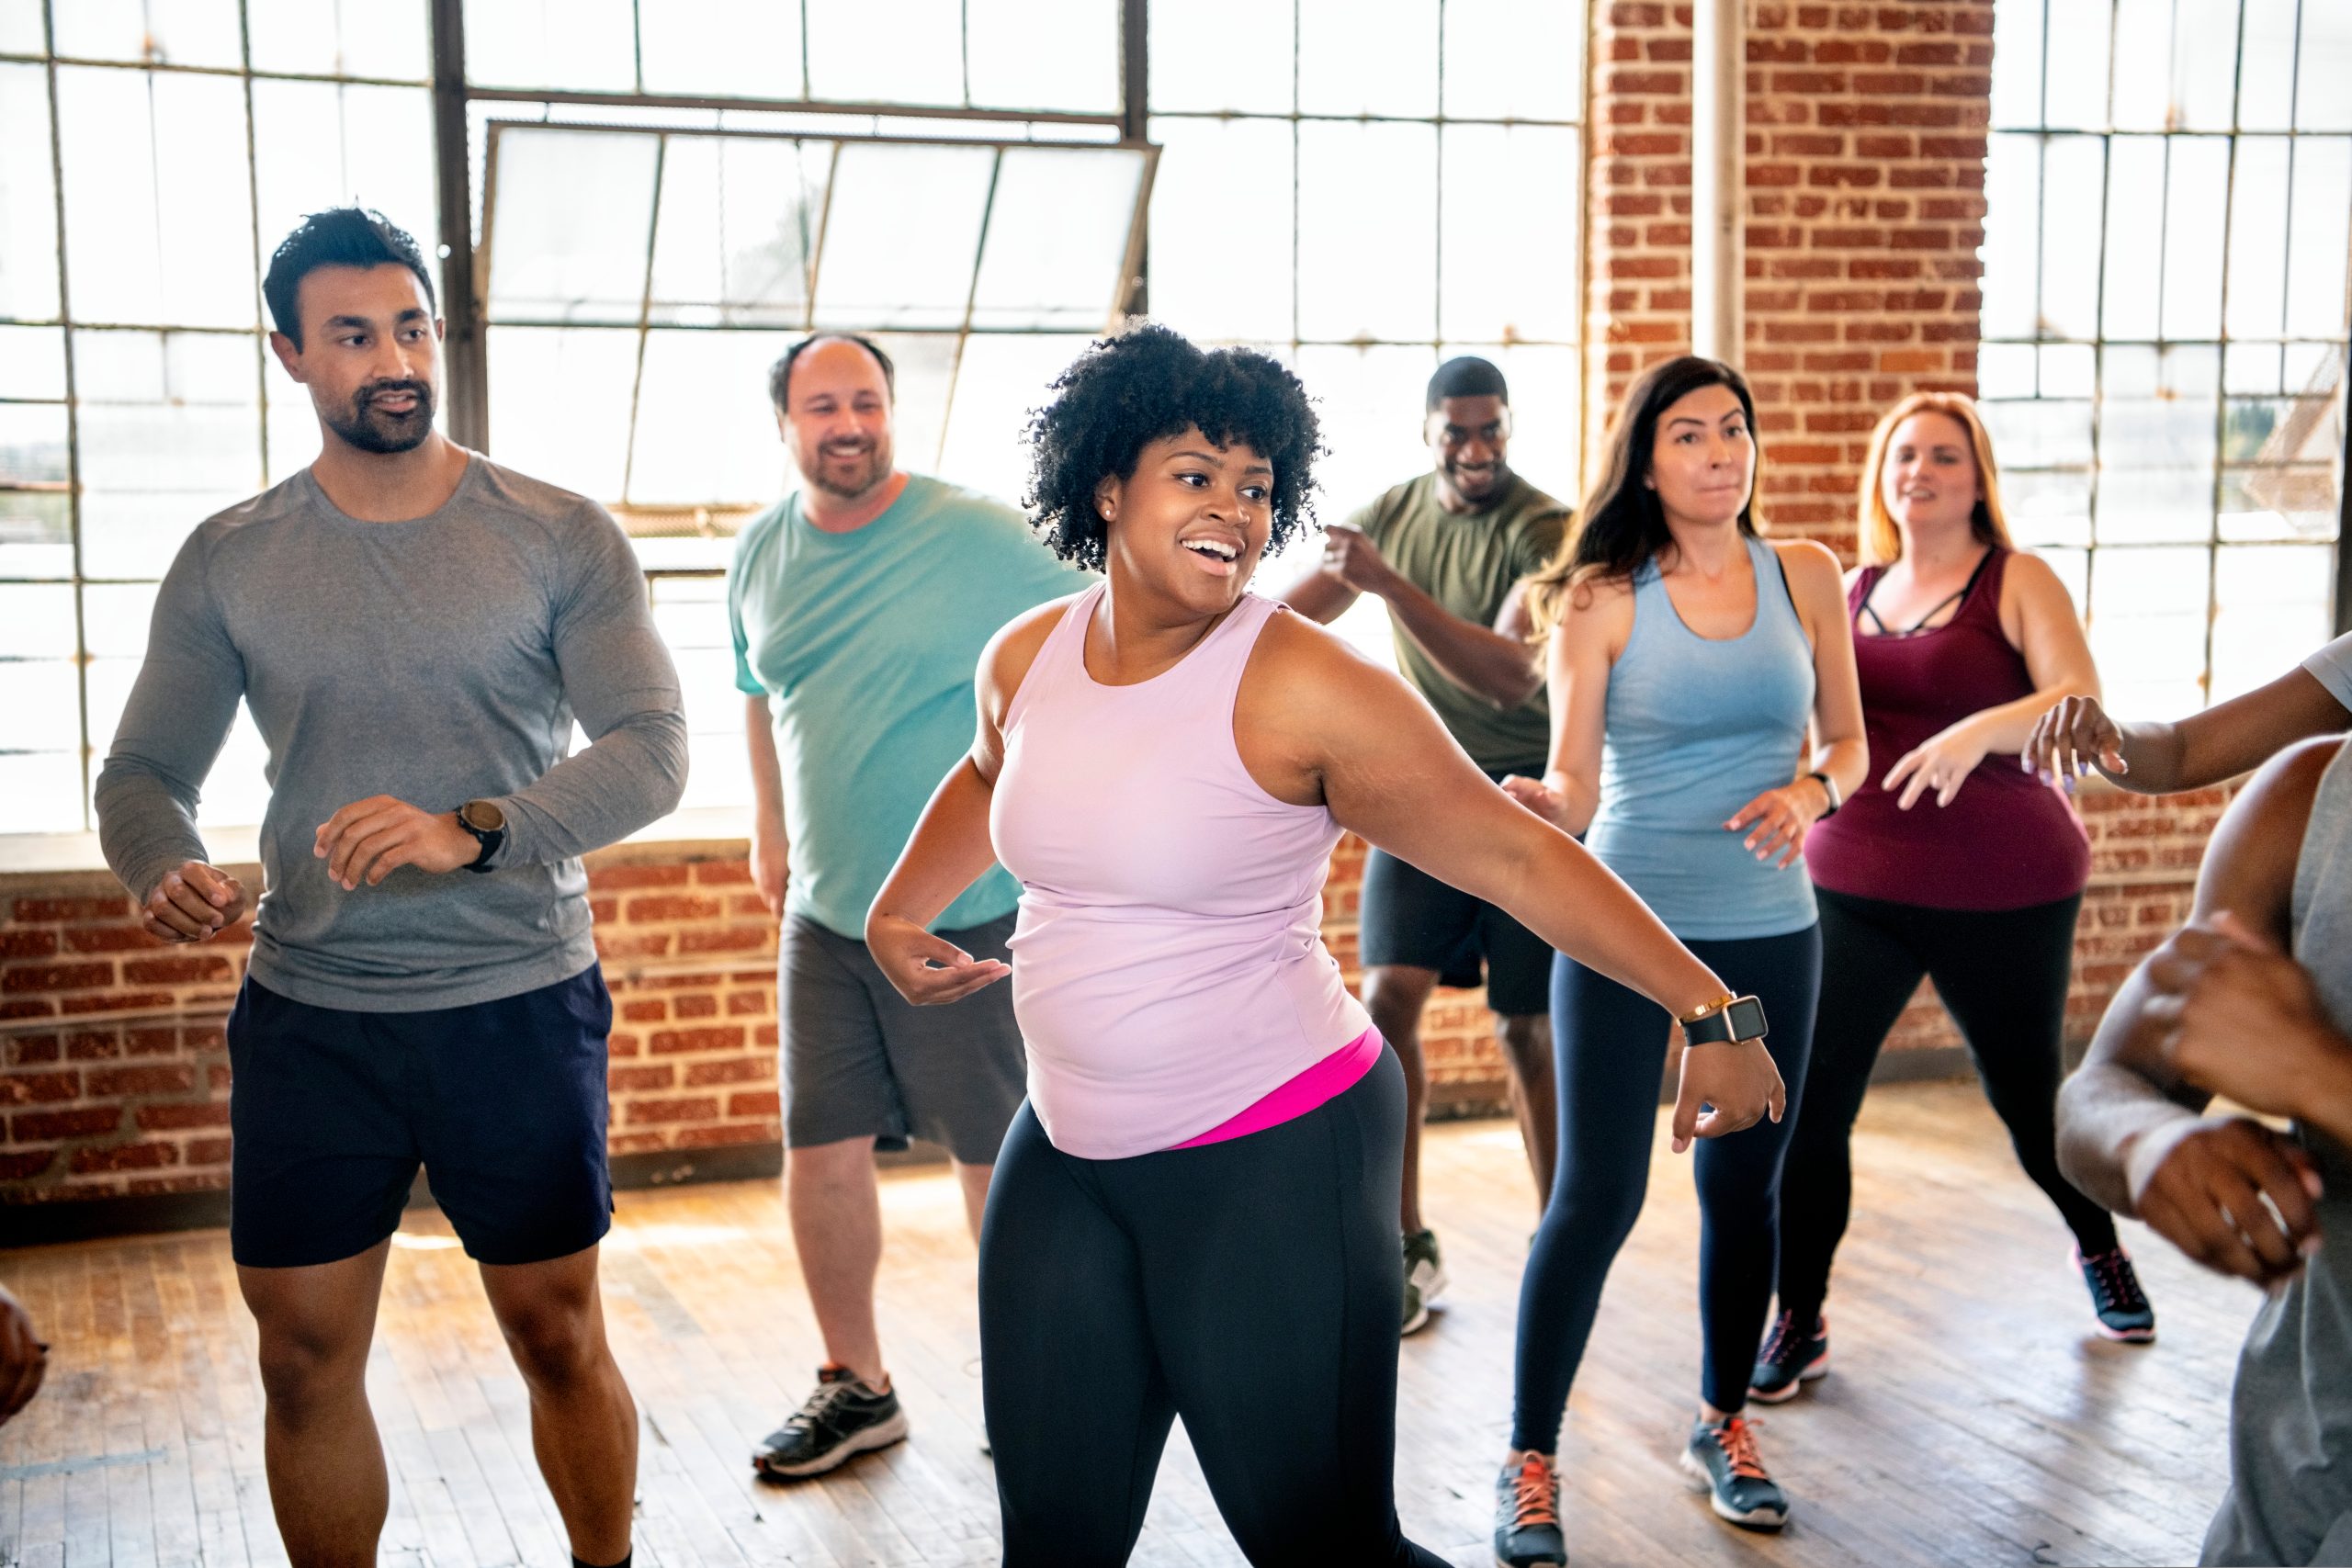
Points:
[(1295, 1097)]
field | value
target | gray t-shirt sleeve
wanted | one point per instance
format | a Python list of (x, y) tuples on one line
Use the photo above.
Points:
[(2332, 667), (173, 728), (623, 688)]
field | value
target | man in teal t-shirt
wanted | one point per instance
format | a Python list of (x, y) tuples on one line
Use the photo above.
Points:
[(859, 608)]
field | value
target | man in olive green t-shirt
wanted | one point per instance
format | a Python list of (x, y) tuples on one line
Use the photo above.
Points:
[(1447, 551)]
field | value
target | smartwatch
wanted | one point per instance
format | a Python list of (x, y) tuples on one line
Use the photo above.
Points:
[(1726, 1021), (1829, 788), (488, 825)]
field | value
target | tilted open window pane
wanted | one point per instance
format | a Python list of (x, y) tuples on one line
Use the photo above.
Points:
[(556, 258), (738, 230), (1058, 237), (877, 269)]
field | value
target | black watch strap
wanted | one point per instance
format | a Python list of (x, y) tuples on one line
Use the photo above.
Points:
[(491, 840), (1740, 1019)]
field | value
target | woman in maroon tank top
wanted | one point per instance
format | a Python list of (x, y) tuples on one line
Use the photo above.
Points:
[(1954, 863)]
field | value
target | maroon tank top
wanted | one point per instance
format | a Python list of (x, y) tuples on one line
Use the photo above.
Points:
[(2007, 840)]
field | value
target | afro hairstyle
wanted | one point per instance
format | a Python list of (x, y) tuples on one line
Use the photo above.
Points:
[(1144, 385)]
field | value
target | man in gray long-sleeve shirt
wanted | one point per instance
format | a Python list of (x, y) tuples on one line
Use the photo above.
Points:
[(414, 629)]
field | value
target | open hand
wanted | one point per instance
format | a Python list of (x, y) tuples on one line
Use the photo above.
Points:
[(1941, 762), (1777, 819), (927, 970), (2231, 1192), (2071, 740), (2234, 1016), (1725, 1089), (1353, 560), (370, 838), (1539, 797), (193, 903)]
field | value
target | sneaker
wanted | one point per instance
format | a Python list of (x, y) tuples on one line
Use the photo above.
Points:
[(1790, 1360), (1424, 1277), (842, 1419), (1527, 1515), (2122, 1307), (1719, 1459)]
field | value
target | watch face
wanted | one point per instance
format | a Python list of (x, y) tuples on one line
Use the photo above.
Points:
[(482, 817), (1747, 1016)]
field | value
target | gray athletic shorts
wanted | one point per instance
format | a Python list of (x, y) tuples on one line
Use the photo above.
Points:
[(860, 1061)]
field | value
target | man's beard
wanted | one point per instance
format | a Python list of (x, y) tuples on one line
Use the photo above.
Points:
[(863, 477), (370, 429)]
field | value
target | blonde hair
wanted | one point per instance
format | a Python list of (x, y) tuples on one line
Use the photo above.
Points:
[(1881, 541)]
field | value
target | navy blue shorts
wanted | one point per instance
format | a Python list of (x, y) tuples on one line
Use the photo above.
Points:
[(502, 1102)]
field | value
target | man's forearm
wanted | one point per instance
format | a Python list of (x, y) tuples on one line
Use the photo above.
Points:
[(146, 824), (1504, 671), (2105, 1113), (631, 775)]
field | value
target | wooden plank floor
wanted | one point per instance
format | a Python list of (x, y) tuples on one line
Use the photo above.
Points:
[(1972, 1417)]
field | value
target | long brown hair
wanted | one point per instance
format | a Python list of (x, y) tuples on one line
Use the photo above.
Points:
[(1621, 524), (1881, 541)]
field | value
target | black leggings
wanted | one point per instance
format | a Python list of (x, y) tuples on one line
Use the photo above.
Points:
[(1251, 1286), (2002, 975), (1609, 1046)]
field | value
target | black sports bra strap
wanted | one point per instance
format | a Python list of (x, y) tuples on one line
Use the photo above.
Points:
[(1934, 610)]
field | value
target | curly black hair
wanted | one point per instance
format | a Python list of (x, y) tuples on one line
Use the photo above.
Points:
[(1142, 386)]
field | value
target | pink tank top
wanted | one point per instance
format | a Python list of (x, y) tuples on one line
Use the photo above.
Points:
[(1168, 966)]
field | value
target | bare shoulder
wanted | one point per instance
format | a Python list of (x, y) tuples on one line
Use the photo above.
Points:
[(1294, 654), (1809, 560), (2028, 578), (2250, 863), (1005, 661)]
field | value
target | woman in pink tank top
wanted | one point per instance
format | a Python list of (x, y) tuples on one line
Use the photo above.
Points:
[(1955, 862), (1195, 1214)]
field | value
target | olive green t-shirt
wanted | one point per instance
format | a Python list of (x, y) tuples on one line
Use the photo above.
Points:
[(1468, 562)]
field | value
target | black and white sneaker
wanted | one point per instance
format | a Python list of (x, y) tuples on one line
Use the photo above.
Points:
[(842, 1419), (2117, 1301), (1527, 1516), (1721, 1461), (1790, 1358)]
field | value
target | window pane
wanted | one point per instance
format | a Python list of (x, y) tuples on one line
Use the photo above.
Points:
[(158, 210), (40, 790), (1003, 376), (1367, 56), (32, 362), (28, 197), (2012, 235), (2157, 414), (2324, 77), (2250, 367), (2147, 628), (897, 51), (319, 144), (1367, 230), (181, 32), (2319, 238), (2047, 508), (738, 221), (2071, 189), (1513, 60), (2079, 33), (1057, 239), (37, 622), (2257, 299), (1370, 401), (2266, 66), (2049, 434), (924, 371), (2016, 64), (1507, 239), (583, 44), (554, 257), (706, 431), (1214, 276), (170, 432), (2272, 605), (559, 402), (2198, 193), (759, 57), (2069, 370), (1043, 54), (115, 617), (2144, 99), (21, 29), (2134, 243), (1195, 65), (344, 38), (2005, 370), (2205, 64), (691, 614), (877, 270)]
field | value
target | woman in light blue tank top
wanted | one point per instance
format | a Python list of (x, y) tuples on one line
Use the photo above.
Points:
[(1689, 659)]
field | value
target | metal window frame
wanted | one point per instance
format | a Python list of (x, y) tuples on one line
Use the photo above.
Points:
[(2292, 135)]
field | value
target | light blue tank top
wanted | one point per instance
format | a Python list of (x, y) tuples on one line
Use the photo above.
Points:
[(1696, 729)]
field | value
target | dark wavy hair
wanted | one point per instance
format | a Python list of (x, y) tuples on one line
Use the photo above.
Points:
[(341, 236), (1142, 386), (1621, 526)]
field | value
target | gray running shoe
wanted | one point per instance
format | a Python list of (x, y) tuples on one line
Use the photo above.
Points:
[(1424, 1277), (1721, 1461), (842, 1420), (1527, 1516)]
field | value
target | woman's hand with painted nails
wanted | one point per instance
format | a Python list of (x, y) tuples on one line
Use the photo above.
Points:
[(1776, 820), (2072, 740), (927, 970), (1941, 762)]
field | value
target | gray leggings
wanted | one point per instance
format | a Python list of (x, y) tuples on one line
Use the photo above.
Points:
[(1251, 1286)]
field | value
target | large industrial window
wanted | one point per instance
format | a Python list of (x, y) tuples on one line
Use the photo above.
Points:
[(2169, 187), (151, 156)]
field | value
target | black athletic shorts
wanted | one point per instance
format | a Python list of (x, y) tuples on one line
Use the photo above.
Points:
[(502, 1102), (1407, 917)]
